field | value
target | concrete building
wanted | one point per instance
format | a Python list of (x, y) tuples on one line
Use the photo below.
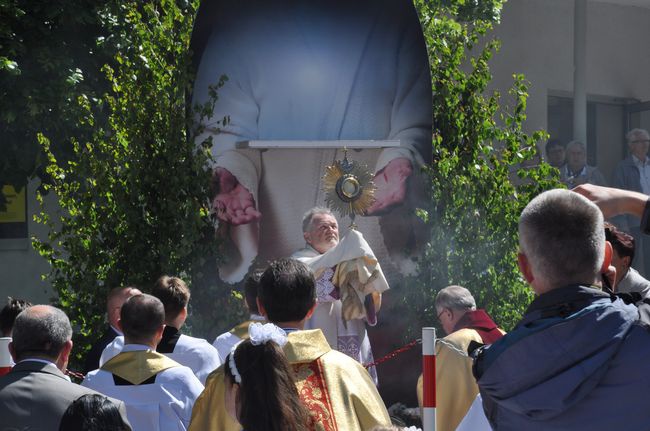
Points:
[(540, 39)]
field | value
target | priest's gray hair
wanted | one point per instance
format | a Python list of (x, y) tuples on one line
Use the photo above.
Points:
[(309, 215), (41, 330), (455, 298), (562, 235)]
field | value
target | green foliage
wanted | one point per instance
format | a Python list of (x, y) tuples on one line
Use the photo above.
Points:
[(50, 52), (485, 168), (133, 196)]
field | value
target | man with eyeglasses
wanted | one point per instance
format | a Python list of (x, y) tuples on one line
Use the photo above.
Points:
[(633, 173), (456, 387)]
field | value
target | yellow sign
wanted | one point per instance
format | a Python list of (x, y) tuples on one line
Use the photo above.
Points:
[(15, 212)]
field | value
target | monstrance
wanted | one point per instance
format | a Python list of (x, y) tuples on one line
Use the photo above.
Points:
[(349, 189)]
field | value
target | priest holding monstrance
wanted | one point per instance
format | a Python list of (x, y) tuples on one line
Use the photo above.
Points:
[(349, 279)]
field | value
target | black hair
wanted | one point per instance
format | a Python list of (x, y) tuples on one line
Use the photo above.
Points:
[(141, 316), (621, 241), (267, 399), (9, 312), (92, 412), (287, 290), (251, 286)]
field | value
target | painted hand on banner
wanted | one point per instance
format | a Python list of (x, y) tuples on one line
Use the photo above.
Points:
[(233, 204), (391, 186)]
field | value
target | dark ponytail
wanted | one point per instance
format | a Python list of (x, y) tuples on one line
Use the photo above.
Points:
[(267, 397)]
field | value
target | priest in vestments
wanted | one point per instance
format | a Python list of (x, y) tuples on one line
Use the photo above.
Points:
[(456, 387), (349, 285), (336, 389), (322, 70), (158, 392)]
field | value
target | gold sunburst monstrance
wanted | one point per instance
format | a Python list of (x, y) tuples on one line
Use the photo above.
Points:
[(348, 186)]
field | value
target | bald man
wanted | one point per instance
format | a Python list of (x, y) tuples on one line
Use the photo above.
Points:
[(36, 392)]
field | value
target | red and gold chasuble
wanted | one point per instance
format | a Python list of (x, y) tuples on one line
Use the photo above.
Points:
[(335, 388), (313, 392)]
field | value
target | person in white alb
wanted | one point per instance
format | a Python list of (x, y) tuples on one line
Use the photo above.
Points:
[(341, 313), (225, 342), (196, 353), (159, 393)]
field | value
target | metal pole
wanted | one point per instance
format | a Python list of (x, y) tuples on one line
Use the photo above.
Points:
[(580, 71), (429, 379)]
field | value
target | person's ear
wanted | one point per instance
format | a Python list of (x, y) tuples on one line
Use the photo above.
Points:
[(525, 267), (119, 325), (627, 261), (608, 258), (307, 237), (159, 333), (67, 349), (12, 351), (260, 307), (64, 355), (311, 311)]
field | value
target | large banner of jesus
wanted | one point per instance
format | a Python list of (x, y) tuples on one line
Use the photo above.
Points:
[(317, 70)]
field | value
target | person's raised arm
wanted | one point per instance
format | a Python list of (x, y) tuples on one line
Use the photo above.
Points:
[(613, 202)]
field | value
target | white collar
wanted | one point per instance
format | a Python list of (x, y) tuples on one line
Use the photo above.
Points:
[(116, 330), (136, 347)]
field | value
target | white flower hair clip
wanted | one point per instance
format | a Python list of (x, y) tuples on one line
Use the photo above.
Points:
[(262, 333), (233, 367), (259, 334)]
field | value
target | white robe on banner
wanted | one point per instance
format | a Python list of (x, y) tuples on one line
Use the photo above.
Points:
[(318, 70)]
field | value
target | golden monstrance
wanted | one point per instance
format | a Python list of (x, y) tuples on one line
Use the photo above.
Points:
[(349, 189)]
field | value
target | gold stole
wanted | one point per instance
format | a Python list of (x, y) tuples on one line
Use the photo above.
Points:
[(139, 365)]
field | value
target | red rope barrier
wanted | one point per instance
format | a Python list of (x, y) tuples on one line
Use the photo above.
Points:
[(394, 353), (75, 374)]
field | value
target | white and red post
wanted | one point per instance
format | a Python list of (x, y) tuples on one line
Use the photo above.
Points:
[(429, 379), (5, 358)]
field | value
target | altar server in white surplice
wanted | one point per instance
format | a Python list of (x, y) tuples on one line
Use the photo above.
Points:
[(225, 342), (349, 285), (196, 353), (158, 392)]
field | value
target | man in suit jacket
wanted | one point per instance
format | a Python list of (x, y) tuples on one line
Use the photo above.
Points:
[(36, 393), (116, 298)]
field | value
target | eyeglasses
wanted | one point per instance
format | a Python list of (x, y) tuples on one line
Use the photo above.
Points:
[(641, 141), (439, 314)]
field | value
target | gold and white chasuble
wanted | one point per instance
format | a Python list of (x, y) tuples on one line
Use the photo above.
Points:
[(336, 389)]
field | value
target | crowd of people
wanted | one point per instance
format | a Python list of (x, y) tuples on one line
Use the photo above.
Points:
[(631, 173), (576, 359)]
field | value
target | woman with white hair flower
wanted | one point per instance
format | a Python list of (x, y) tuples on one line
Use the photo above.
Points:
[(260, 390)]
